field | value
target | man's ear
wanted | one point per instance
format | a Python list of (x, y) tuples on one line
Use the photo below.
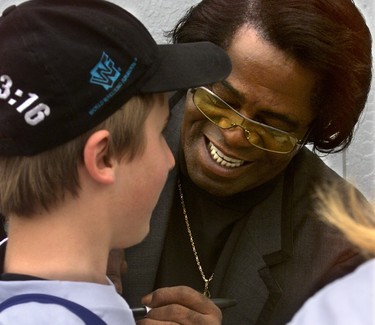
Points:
[(97, 161)]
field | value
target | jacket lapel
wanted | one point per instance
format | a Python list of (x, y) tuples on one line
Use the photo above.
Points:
[(239, 278), (248, 275)]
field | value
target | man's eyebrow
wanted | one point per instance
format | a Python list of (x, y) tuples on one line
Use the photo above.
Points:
[(233, 90), (293, 124)]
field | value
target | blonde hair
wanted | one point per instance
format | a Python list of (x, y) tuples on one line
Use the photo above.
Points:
[(28, 184), (354, 219)]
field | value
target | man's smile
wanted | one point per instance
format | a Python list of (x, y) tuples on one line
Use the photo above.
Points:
[(223, 160)]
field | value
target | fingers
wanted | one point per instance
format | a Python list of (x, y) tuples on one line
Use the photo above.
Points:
[(116, 268), (181, 295), (181, 305)]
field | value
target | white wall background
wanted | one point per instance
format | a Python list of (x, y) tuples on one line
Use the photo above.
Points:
[(357, 164)]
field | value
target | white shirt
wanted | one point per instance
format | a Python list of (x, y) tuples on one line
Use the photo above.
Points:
[(101, 299), (346, 301)]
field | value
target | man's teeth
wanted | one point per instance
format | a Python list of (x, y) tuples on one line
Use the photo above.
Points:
[(222, 159)]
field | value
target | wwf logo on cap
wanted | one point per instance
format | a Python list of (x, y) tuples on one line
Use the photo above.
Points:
[(105, 73)]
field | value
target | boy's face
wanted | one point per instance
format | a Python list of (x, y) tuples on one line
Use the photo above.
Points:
[(144, 177)]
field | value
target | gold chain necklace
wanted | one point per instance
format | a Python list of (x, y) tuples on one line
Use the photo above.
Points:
[(206, 291)]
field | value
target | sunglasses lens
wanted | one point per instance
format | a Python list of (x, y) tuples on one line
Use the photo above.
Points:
[(258, 134), (213, 108), (270, 139)]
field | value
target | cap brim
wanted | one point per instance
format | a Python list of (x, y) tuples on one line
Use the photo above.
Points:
[(188, 65)]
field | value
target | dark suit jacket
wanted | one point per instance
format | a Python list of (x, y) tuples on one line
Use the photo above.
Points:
[(280, 257)]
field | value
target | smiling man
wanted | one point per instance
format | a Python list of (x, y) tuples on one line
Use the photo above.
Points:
[(237, 218)]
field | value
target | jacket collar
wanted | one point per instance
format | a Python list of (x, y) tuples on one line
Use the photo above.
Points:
[(249, 275)]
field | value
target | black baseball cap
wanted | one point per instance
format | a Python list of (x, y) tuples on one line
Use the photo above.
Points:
[(66, 65)]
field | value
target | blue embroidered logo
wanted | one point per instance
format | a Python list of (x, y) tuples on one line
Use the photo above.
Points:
[(119, 85), (105, 73)]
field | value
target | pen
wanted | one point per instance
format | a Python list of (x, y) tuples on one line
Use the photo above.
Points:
[(220, 302)]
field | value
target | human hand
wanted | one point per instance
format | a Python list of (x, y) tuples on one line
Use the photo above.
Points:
[(116, 268), (180, 305)]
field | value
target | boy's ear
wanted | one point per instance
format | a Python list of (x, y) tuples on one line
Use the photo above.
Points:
[(97, 161)]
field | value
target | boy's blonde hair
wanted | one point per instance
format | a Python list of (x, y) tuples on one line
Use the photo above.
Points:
[(354, 219), (28, 184)]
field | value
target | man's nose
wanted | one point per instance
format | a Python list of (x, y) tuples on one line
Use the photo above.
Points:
[(236, 136)]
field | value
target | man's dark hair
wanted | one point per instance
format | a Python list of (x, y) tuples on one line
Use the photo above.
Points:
[(328, 37)]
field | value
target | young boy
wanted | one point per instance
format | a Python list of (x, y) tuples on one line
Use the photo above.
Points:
[(82, 154)]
